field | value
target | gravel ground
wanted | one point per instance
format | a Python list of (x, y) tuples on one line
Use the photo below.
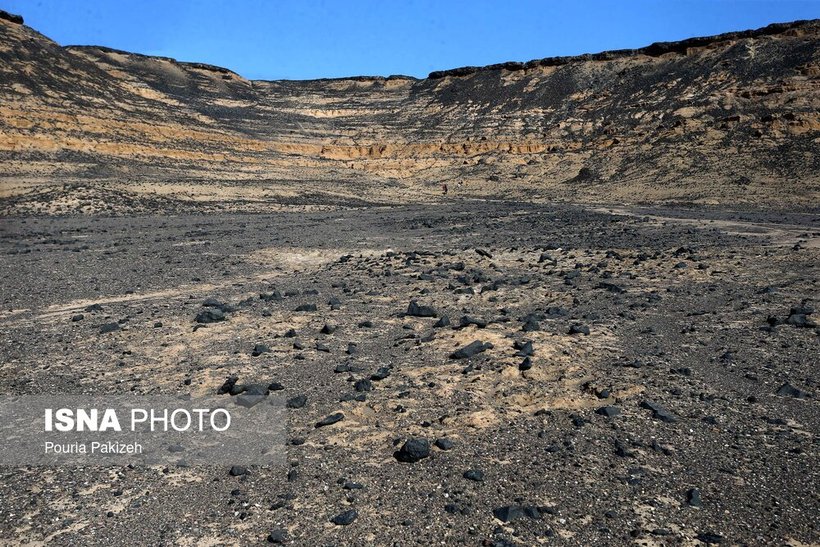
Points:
[(505, 373)]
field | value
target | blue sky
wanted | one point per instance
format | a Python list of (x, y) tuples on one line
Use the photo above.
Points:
[(300, 39)]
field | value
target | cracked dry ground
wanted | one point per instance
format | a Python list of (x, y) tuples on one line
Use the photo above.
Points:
[(688, 414)]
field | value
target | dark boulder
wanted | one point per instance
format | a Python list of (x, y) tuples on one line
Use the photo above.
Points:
[(413, 450), (471, 350), (211, 315), (414, 309)]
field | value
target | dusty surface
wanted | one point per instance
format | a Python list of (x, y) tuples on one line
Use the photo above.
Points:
[(689, 332)]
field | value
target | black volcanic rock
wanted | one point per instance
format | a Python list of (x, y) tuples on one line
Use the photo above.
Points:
[(608, 411), (214, 303), (278, 536), (228, 386), (659, 412), (413, 450), (443, 321), (414, 309), (345, 518), (788, 390), (524, 349), (109, 327), (476, 475), (445, 444), (467, 320), (511, 513), (211, 315), (330, 420), (471, 350), (259, 349)]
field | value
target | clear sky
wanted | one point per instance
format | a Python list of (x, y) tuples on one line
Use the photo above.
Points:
[(300, 39)]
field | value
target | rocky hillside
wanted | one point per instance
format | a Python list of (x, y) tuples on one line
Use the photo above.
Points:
[(731, 119)]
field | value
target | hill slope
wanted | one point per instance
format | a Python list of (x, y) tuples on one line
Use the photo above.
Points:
[(730, 119)]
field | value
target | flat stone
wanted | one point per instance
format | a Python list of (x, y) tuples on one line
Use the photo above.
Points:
[(330, 420)]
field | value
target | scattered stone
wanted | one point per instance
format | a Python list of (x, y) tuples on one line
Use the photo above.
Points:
[(531, 324), (228, 386), (474, 475), (363, 385), (525, 365), (211, 315), (525, 349), (467, 320), (608, 411), (578, 328), (443, 321), (413, 450), (800, 320), (259, 349), (329, 328), (482, 252), (278, 536), (298, 401), (444, 444), (611, 287), (93, 308), (414, 309), (214, 303), (659, 412), (330, 420), (274, 296), (109, 327), (803, 309), (345, 518), (78, 317), (471, 350), (380, 374), (255, 389), (510, 513), (693, 497), (788, 390), (306, 308), (710, 538), (238, 470), (622, 451)]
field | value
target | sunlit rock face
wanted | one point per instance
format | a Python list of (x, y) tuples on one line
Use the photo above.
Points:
[(730, 119)]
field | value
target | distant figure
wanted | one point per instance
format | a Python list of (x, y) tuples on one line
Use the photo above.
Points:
[(444, 187)]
